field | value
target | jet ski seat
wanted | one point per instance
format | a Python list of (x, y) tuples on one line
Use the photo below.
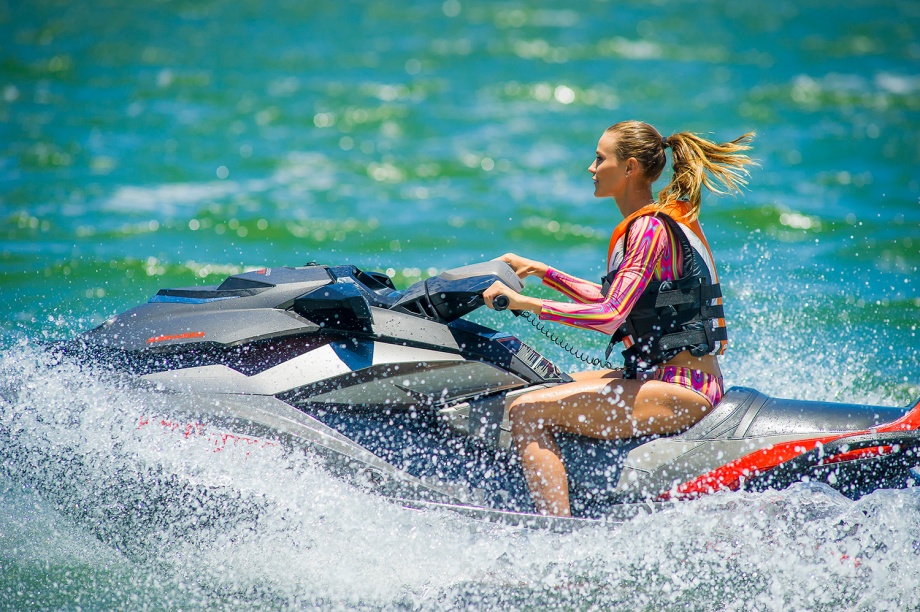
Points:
[(747, 413)]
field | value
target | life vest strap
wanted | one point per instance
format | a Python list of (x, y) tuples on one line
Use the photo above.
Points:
[(675, 293), (707, 335), (700, 292)]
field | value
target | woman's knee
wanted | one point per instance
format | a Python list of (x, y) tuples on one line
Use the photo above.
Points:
[(520, 410), (526, 416)]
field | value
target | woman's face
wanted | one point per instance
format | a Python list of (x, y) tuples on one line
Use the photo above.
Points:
[(609, 173)]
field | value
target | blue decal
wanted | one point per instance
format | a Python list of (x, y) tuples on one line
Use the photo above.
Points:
[(356, 354), (176, 299)]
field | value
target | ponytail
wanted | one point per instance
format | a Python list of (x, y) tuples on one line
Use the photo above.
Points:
[(698, 162), (702, 163)]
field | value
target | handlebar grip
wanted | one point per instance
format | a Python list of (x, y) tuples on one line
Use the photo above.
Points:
[(501, 302)]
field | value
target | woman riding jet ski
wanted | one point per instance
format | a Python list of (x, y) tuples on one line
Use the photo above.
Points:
[(661, 297)]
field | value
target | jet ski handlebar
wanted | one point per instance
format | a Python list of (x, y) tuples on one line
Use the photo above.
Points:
[(345, 303), (456, 292)]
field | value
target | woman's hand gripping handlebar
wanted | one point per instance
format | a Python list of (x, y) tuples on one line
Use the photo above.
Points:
[(501, 302), (501, 297)]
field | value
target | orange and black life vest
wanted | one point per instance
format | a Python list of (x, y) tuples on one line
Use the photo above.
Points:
[(673, 315)]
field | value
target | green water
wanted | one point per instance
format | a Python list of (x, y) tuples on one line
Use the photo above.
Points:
[(170, 143)]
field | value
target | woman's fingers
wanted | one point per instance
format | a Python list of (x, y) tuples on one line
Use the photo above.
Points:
[(522, 266), (496, 289), (516, 301), (512, 260)]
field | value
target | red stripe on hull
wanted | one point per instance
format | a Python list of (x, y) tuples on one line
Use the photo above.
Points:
[(731, 475), (859, 453)]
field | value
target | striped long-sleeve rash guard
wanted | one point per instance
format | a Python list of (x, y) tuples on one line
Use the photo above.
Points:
[(651, 252)]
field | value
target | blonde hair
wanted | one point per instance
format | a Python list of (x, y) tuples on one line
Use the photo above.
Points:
[(697, 162)]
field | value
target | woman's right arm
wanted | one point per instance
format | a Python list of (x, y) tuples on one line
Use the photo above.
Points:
[(645, 248), (579, 290)]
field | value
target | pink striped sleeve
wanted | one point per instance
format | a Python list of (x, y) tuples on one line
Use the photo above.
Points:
[(579, 290), (645, 246)]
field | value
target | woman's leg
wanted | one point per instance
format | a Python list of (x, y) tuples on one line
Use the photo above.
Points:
[(598, 408), (596, 374)]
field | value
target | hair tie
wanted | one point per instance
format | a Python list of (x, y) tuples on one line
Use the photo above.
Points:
[(664, 142)]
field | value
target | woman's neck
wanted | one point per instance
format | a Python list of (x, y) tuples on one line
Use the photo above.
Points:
[(635, 199)]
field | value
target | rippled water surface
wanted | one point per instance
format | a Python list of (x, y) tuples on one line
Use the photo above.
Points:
[(172, 143)]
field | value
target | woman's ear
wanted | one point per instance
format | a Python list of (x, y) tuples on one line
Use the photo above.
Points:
[(632, 165)]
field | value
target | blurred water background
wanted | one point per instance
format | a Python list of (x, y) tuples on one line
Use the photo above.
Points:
[(170, 143)]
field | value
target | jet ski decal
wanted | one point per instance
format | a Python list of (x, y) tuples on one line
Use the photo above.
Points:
[(732, 476), (180, 299), (167, 337), (219, 440)]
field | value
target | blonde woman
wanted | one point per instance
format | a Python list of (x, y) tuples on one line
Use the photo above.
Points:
[(661, 298)]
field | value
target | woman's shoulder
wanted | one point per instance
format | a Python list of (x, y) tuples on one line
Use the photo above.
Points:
[(651, 223)]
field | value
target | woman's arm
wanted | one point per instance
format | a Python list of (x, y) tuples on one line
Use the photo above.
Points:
[(645, 246), (578, 289)]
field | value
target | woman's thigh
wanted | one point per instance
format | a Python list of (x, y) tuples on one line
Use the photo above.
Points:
[(611, 409), (596, 375)]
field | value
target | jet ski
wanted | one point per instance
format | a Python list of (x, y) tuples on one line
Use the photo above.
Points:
[(396, 391)]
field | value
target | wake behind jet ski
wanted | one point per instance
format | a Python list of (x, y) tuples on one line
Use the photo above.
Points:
[(394, 389)]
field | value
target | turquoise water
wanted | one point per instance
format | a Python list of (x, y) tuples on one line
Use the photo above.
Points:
[(159, 144)]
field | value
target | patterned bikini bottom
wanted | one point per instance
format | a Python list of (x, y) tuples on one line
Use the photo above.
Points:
[(707, 385)]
